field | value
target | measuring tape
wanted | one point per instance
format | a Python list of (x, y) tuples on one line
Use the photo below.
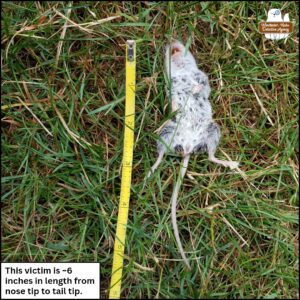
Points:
[(117, 268)]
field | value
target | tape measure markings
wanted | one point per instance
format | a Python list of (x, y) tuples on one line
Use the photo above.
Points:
[(118, 257)]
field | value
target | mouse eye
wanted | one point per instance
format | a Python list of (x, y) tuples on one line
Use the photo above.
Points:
[(175, 50)]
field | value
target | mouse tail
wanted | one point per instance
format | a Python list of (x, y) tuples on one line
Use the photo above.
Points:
[(174, 204)]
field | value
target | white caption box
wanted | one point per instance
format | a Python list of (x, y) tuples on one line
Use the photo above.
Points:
[(50, 281)]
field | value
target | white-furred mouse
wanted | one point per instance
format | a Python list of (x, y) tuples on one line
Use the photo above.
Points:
[(192, 130)]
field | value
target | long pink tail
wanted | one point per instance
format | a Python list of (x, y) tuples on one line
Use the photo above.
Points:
[(174, 204)]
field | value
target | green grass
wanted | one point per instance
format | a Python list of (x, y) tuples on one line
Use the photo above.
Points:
[(62, 139)]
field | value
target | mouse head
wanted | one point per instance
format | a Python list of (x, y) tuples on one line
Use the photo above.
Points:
[(178, 58)]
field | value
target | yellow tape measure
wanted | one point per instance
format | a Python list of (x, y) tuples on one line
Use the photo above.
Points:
[(117, 268)]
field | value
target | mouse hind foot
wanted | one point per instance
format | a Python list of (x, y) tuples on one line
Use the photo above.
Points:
[(212, 143), (226, 163)]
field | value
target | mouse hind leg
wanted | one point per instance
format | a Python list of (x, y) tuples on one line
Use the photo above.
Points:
[(163, 143), (157, 163), (213, 139)]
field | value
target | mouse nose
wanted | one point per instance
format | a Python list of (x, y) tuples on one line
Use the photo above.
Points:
[(176, 47), (175, 50)]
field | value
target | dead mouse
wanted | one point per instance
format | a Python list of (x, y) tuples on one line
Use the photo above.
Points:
[(192, 130)]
